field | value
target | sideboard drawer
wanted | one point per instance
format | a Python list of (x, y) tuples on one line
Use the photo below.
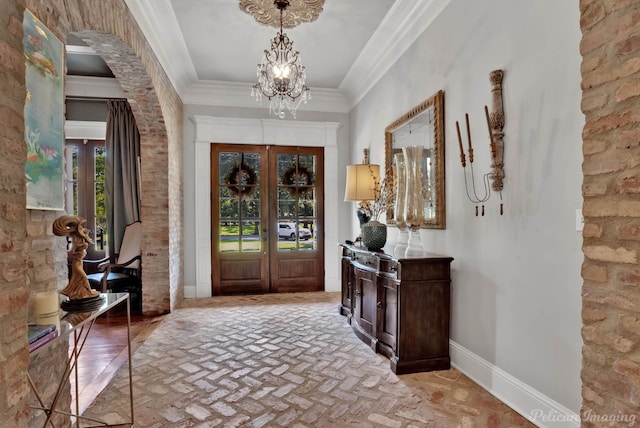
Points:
[(367, 260), (389, 267)]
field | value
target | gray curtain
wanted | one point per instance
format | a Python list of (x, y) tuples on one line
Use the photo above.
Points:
[(121, 176)]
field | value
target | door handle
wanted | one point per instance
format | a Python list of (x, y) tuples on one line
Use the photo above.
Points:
[(379, 305)]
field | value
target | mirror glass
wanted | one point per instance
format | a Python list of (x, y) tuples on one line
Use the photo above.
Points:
[(423, 126)]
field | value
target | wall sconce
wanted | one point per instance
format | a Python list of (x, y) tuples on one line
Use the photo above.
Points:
[(495, 125), (361, 186)]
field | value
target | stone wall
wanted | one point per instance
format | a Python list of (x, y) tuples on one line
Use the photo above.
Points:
[(31, 258), (14, 291), (611, 271)]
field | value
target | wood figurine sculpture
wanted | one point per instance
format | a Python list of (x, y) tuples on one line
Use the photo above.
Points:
[(71, 225)]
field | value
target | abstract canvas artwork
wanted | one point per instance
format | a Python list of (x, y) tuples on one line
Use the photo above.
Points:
[(43, 116)]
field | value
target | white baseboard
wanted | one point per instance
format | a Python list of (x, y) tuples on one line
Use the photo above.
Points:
[(190, 292), (529, 402)]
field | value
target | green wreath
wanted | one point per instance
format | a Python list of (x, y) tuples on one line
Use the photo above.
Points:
[(292, 178), (241, 180)]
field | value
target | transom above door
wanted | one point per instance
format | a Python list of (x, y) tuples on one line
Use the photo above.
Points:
[(266, 219)]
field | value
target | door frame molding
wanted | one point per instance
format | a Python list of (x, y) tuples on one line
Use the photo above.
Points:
[(210, 130)]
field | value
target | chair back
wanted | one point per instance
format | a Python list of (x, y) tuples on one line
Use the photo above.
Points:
[(131, 245)]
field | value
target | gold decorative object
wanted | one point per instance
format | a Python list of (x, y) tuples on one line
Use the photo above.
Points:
[(399, 205), (413, 202), (298, 12), (71, 225), (423, 125)]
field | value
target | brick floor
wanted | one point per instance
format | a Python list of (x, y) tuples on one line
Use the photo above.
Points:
[(284, 360)]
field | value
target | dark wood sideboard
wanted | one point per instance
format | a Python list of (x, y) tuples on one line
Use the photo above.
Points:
[(399, 307)]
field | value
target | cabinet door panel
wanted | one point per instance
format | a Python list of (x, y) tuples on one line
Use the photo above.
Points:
[(347, 286), (387, 329), (425, 314), (366, 300)]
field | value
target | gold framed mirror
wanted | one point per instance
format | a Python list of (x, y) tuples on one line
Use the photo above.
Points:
[(422, 125)]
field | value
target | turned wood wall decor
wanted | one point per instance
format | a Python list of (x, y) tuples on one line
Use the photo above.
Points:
[(496, 120)]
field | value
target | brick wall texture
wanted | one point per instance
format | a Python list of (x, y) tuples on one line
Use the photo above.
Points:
[(14, 287), (610, 49), (32, 259)]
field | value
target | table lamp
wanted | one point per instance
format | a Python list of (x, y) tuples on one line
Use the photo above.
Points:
[(361, 187)]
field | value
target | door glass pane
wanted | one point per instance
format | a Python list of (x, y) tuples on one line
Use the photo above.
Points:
[(307, 240), (252, 162), (296, 202), (71, 179), (100, 209), (229, 236), (286, 205), (307, 206), (251, 241), (226, 162), (239, 202), (286, 169), (251, 205), (228, 204)]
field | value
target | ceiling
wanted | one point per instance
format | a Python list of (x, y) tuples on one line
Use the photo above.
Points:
[(210, 48)]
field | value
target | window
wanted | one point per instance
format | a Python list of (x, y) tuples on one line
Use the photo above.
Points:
[(85, 189)]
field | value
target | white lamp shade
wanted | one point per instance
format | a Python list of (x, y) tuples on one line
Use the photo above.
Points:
[(361, 181)]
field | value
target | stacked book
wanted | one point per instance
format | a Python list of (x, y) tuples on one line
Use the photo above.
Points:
[(40, 334)]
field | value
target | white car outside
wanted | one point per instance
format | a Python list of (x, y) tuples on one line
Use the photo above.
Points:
[(288, 231)]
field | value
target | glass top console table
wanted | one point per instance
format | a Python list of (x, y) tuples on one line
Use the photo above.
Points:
[(79, 325)]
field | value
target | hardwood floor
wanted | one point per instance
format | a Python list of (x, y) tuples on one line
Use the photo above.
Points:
[(105, 351)]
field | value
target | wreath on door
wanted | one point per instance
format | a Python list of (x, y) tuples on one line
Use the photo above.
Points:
[(241, 181), (300, 180)]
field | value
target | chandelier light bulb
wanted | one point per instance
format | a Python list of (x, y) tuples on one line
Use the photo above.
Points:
[(281, 71)]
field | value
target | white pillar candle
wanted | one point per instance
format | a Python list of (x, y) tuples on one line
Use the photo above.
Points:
[(46, 307)]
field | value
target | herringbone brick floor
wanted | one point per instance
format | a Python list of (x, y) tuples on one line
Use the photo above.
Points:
[(284, 360)]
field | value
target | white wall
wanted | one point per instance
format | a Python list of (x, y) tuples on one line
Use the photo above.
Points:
[(516, 278)]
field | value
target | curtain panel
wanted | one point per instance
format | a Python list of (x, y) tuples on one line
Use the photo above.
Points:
[(122, 173)]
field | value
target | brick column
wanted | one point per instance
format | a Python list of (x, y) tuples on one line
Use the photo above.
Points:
[(611, 272)]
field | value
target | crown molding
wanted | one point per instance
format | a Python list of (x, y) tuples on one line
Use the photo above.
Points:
[(234, 94), (92, 87), (160, 27), (403, 24)]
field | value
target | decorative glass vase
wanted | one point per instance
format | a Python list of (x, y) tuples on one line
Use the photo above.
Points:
[(374, 235), (414, 202), (399, 206)]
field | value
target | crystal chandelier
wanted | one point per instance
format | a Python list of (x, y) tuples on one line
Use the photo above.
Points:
[(281, 76)]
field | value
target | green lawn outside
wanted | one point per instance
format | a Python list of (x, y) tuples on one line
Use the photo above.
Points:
[(227, 246)]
